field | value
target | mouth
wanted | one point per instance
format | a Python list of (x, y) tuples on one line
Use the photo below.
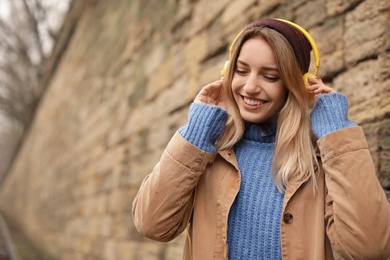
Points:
[(253, 103)]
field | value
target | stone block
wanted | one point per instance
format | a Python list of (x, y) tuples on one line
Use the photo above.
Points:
[(205, 12), (365, 39), (105, 226), (178, 59), (151, 250), (375, 110), (360, 77), (384, 147), (127, 250), (110, 250), (311, 13), (329, 40), (124, 228), (234, 9), (329, 36), (210, 71), (101, 203), (336, 7), (384, 172), (115, 199), (173, 97), (366, 30), (159, 80), (175, 248), (384, 132), (195, 51), (367, 10), (140, 118), (270, 8), (97, 249), (331, 64), (231, 30), (184, 10), (159, 138)]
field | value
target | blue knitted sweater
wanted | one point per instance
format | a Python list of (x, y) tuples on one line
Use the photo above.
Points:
[(254, 218)]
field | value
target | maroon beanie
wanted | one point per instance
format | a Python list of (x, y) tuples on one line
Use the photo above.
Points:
[(300, 45)]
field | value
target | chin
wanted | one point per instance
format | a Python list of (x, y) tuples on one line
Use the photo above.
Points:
[(256, 119)]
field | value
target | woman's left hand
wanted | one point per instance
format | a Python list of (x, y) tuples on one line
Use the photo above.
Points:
[(317, 87)]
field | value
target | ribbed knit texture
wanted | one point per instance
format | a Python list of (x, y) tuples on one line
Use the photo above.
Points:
[(205, 125), (254, 219), (330, 114)]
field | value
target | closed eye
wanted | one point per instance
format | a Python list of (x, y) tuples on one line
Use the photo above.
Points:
[(271, 78), (241, 71)]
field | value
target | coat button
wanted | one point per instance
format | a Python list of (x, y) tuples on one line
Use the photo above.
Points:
[(288, 218)]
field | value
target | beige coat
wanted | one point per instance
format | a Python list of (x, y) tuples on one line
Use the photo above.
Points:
[(349, 212)]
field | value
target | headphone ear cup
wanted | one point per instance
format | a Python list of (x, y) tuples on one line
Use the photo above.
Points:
[(225, 68), (306, 78), (306, 81)]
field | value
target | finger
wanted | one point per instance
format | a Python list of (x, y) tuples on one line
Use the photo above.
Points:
[(210, 93), (323, 90), (213, 90), (314, 81), (317, 86)]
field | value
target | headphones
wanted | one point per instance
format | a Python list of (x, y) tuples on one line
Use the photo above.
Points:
[(304, 32)]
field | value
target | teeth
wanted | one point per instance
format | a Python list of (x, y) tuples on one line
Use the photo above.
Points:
[(252, 102)]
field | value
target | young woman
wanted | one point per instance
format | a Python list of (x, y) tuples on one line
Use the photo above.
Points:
[(260, 171)]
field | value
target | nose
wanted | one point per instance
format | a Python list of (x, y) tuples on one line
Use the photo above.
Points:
[(252, 85)]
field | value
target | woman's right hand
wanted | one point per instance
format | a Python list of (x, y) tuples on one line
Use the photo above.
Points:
[(212, 94)]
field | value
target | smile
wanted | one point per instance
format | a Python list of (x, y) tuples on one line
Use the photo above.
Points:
[(253, 102)]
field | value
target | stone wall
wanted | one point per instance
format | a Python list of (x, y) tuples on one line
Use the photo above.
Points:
[(122, 88)]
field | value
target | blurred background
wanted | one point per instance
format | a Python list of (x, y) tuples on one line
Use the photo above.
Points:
[(91, 91)]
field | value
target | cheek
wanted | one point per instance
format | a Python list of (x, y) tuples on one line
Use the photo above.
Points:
[(235, 88), (236, 83), (279, 95)]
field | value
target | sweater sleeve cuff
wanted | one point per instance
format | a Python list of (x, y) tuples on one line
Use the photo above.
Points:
[(205, 125), (330, 114)]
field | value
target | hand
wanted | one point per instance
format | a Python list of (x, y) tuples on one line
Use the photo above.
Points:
[(212, 94), (317, 87)]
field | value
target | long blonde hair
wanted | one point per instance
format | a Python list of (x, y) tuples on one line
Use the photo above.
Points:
[(295, 154)]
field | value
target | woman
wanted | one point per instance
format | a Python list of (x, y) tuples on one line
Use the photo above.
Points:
[(259, 173)]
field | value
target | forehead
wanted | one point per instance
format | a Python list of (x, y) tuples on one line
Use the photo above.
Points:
[(256, 49)]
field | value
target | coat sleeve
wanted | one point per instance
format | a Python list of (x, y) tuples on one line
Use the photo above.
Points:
[(162, 206), (357, 212)]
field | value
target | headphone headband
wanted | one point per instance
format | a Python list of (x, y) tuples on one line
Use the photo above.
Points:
[(304, 33)]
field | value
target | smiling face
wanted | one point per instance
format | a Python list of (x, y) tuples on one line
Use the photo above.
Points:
[(257, 86)]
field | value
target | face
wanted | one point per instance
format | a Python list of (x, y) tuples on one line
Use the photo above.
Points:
[(257, 85)]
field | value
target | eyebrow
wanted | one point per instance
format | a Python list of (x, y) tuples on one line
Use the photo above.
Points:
[(272, 68)]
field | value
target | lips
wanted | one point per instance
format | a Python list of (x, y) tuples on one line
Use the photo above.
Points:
[(253, 103)]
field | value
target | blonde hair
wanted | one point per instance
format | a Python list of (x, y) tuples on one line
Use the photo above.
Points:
[(295, 153)]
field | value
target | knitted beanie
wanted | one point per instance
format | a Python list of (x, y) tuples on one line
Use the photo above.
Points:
[(300, 45)]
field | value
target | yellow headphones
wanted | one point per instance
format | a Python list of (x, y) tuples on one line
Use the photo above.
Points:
[(304, 32)]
